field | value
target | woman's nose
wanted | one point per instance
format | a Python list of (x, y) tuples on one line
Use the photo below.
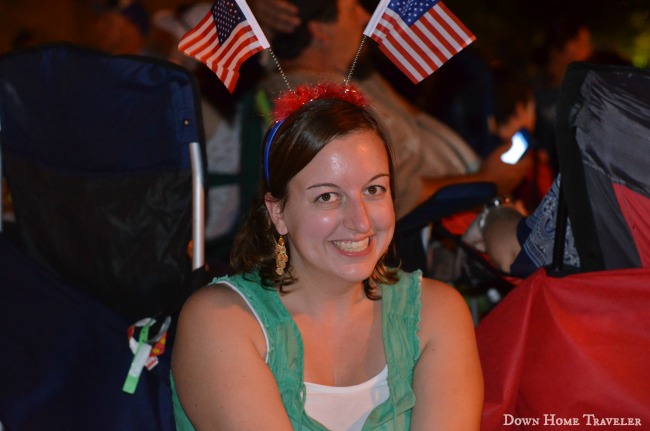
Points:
[(357, 217)]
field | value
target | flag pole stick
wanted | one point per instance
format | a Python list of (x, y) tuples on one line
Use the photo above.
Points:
[(284, 76), (355, 61)]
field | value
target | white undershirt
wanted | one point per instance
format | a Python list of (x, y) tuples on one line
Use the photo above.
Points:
[(346, 408), (338, 408)]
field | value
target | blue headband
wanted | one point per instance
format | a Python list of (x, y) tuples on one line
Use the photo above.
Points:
[(267, 148), (290, 101)]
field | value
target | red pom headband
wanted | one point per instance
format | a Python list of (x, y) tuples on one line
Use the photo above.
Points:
[(290, 101)]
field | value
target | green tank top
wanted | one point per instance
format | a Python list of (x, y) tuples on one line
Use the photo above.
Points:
[(400, 319)]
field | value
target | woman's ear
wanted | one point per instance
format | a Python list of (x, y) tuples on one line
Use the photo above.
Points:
[(274, 208)]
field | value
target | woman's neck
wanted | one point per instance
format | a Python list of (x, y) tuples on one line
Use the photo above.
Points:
[(323, 295)]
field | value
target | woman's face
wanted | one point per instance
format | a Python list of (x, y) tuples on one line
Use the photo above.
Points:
[(339, 217)]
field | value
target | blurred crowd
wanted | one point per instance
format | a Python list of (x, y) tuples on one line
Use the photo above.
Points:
[(450, 128)]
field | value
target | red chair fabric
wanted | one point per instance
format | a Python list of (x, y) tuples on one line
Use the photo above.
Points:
[(635, 208), (571, 352)]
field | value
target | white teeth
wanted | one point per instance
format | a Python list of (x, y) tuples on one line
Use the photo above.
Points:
[(353, 246)]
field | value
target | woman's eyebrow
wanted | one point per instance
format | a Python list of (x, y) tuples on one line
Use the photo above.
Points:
[(313, 186), (323, 185), (378, 176)]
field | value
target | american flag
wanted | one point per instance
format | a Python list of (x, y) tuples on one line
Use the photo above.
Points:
[(418, 36), (226, 37)]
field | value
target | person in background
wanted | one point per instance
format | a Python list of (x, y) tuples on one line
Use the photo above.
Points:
[(514, 108), (516, 242), (567, 39), (275, 16), (461, 94), (519, 244), (315, 332), (515, 111), (122, 27)]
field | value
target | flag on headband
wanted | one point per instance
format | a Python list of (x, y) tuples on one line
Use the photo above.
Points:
[(226, 37), (418, 36)]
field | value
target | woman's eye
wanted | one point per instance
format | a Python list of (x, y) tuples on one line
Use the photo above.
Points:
[(375, 190), (326, 197)]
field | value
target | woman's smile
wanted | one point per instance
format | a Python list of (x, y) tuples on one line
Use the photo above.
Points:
[(353, 246)]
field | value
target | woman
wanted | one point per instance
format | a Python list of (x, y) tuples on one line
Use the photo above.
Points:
[(315, 332)]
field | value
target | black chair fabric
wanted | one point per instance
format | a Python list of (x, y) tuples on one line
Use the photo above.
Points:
[(95, 149), (65, 357), (96, 154), (603, 135)]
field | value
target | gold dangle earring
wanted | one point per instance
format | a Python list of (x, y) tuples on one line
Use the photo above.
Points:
[(281, 257)]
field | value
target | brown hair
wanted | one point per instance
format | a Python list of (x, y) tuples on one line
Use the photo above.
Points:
[(297, 141)]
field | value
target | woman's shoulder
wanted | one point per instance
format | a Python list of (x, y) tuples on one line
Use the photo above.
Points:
[(215, 295), (224, 291), (434, 295), (429, 287), (437, 295), (443, 307), (218, 310)]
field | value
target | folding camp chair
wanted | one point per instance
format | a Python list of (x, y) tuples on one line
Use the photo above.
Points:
[(573, 342), (103, 158), (603, 135)]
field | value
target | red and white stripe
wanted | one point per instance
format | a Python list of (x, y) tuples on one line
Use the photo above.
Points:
[(224, 60), (421, 49)]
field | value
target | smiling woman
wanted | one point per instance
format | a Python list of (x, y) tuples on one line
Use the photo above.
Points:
[(301, 132), (340, 218), (315, 332)]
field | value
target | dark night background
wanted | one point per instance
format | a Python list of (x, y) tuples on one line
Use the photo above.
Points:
[(506, 29), (516, 27)]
